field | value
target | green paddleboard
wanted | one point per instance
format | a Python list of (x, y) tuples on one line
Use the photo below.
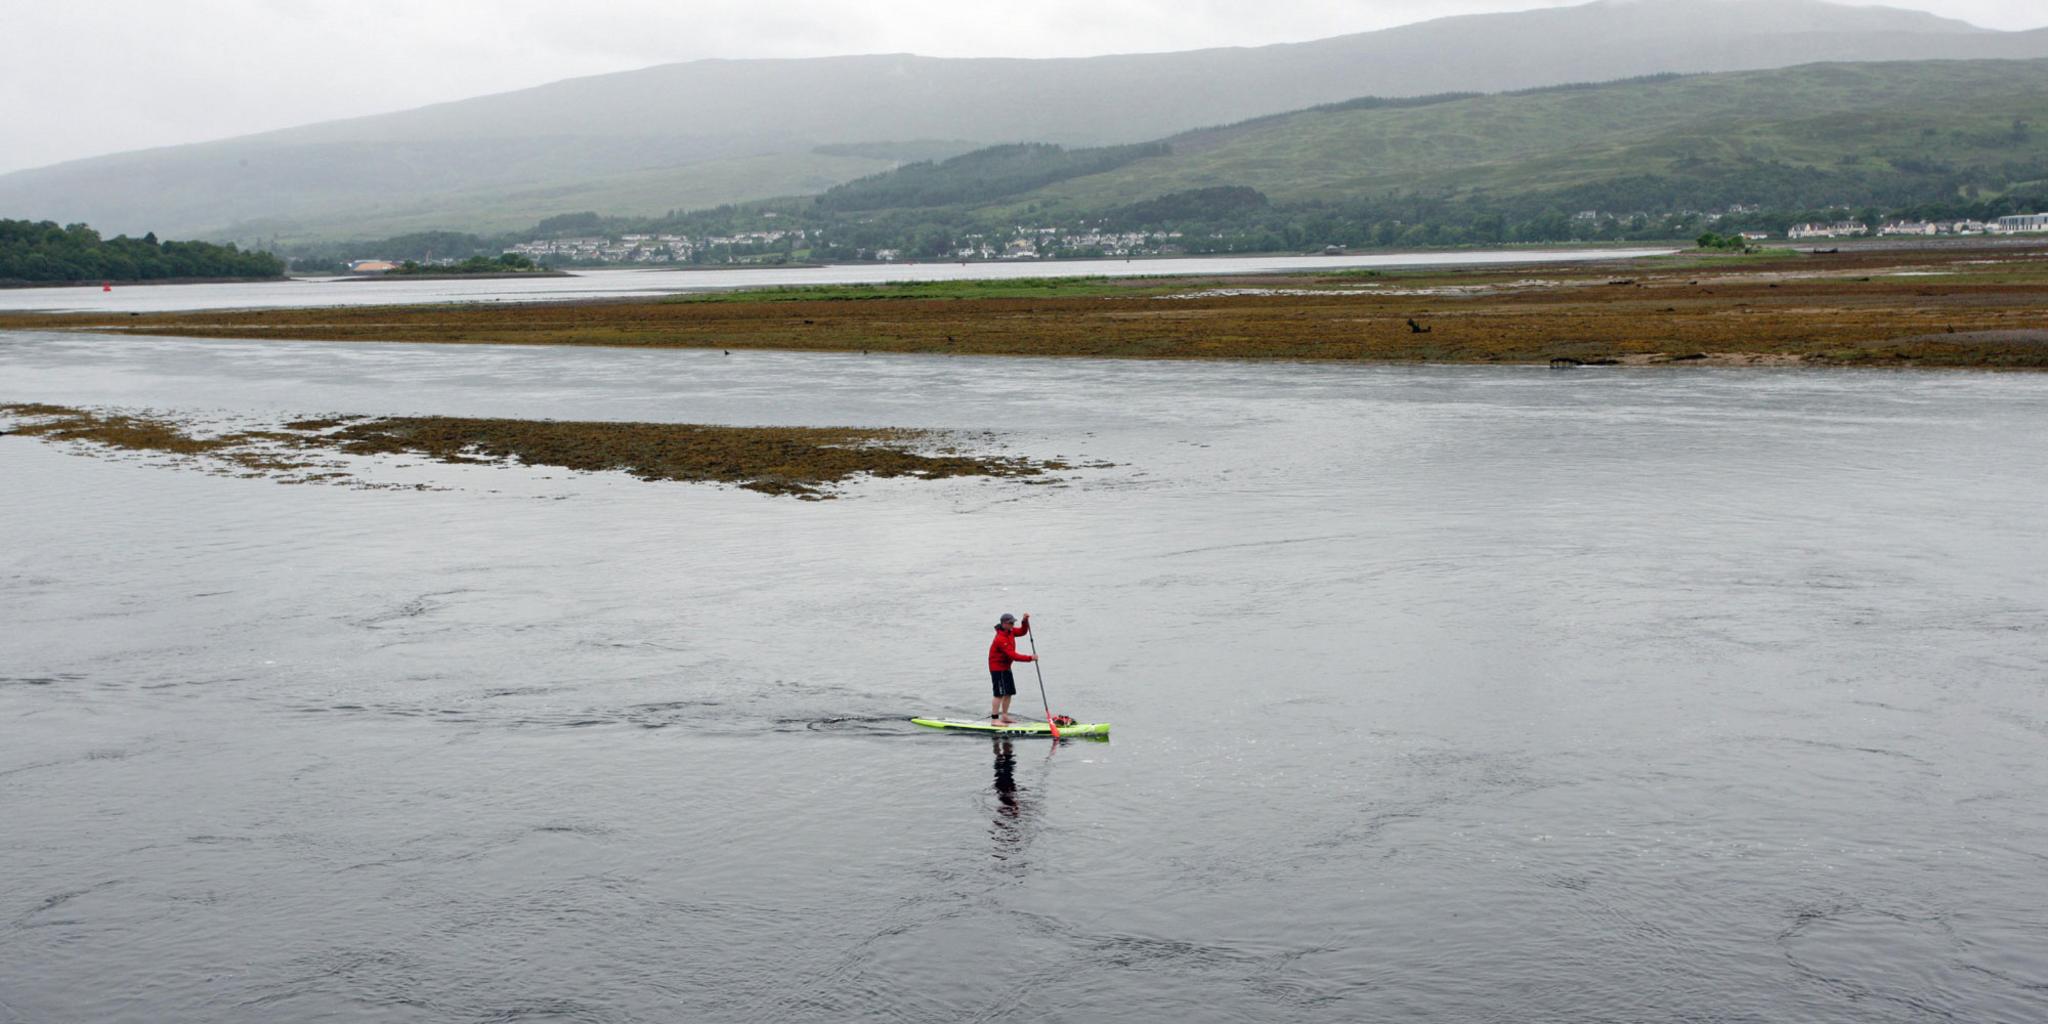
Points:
[(1095, 729)]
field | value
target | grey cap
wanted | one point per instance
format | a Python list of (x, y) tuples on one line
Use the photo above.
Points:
[(1007, 617)]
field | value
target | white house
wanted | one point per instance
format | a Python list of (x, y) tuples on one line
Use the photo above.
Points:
[(2022, 223), (1835, 230)]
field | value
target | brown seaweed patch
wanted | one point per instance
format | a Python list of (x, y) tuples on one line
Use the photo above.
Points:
[(132, 431), (36, 409), (798, 461), (804, 462)]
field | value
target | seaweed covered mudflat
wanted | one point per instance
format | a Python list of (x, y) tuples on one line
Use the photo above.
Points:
[(1935, 306), (802, 462)]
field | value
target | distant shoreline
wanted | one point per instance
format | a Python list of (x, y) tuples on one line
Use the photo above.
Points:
[(1051, 266), (139, 284), (1956, 307), (701, 267), (494, 276)]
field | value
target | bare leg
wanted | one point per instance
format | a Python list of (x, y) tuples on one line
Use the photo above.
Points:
[(1005, 711)]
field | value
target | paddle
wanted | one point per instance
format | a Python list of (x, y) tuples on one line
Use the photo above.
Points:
[(1049, 723)]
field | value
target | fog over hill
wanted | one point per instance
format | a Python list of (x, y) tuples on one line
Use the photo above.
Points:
[(709, 132)]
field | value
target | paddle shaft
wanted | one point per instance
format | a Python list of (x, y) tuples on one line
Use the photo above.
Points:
[(1049, 723)]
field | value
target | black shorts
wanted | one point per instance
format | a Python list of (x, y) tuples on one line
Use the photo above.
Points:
[(1005, 684)]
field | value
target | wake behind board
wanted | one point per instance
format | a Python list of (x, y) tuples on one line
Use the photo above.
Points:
[(1096, 729)]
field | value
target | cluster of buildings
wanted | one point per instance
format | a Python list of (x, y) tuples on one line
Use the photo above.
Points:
[(1026, 243), (2022, 224), (1710, 216), (1034, 242), (627, 249), (648, 248), (1839, 229)]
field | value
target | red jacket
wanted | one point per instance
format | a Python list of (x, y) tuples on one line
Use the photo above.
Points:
[(1004, 650)]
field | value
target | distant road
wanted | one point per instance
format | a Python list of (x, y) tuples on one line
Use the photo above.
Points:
[(605, 284)]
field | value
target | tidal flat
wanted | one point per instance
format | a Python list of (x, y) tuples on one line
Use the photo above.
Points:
[(1933, 306)]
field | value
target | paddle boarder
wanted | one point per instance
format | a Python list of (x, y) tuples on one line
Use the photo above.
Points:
[(1001, 653)]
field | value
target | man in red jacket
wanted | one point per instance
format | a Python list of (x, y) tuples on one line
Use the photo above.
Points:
[(1001, 653)]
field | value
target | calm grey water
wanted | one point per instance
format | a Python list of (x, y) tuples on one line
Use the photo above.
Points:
[(1440, 694), (613, 284)]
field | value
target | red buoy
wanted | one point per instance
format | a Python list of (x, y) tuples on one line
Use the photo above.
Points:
[(106, 286)]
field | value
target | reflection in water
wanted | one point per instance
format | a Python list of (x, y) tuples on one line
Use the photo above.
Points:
[(1008, 829)]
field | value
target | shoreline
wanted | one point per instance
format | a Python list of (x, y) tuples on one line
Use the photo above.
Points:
[(492, 276), (152, 282), (1983, 307), (1052, 264)]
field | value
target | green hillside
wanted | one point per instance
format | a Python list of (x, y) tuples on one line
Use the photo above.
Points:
[(982, 174), (1802, 137)]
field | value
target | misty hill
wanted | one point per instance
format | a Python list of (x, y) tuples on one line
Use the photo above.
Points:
[(706, 132)]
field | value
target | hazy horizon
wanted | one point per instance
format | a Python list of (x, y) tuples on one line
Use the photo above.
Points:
[(223, 68)]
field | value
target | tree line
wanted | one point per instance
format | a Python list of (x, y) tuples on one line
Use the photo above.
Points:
[(43, 252)]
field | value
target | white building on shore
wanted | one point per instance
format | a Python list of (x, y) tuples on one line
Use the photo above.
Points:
[(2022, 224), (1839, 229)]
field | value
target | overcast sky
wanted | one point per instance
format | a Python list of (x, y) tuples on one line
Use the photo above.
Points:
[(84, 77)]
